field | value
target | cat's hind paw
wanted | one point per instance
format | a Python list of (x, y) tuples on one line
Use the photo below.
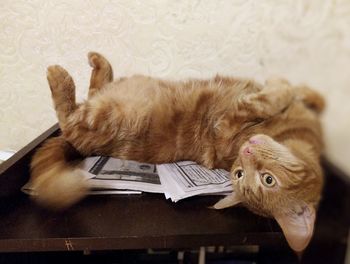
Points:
[(59, 79), (62, 90), (101, 74), (97, 61)]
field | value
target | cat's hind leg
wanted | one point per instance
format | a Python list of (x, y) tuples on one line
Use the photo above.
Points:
[(63, 92), (101, 74)]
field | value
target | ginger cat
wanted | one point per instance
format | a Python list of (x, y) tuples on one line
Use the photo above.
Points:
[(268, 136)]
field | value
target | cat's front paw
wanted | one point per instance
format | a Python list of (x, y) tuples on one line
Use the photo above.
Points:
[(208, 162)]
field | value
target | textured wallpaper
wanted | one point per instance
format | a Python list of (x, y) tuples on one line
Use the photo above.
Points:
[(305, 41)]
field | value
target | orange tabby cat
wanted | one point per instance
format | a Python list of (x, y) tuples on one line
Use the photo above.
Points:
[(268, 136)]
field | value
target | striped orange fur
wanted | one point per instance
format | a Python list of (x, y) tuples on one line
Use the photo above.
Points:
[(250, 129)]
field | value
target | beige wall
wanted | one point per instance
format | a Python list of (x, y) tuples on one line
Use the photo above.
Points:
[(305, 41)]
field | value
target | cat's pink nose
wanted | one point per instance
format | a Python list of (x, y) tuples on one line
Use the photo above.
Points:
[(247, 151)]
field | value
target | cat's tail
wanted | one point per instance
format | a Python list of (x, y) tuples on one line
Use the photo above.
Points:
[(56, 182), (311, 98)]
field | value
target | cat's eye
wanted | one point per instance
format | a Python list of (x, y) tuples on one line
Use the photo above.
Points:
[(268, 180), (238, 174)]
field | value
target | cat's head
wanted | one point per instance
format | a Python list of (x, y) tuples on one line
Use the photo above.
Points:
[(278, 180)]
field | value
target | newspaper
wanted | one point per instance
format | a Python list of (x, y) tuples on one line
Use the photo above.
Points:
[(177, 180), (187, 178)]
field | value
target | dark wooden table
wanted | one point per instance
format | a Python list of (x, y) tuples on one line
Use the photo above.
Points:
[(148, 220)]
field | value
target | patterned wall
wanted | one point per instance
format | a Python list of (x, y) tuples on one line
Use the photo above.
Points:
[(303, 40)]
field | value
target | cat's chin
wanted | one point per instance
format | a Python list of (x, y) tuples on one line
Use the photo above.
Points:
[(258, 211)]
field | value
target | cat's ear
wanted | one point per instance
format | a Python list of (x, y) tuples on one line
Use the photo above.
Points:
[(228, 201), (298, 227)]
